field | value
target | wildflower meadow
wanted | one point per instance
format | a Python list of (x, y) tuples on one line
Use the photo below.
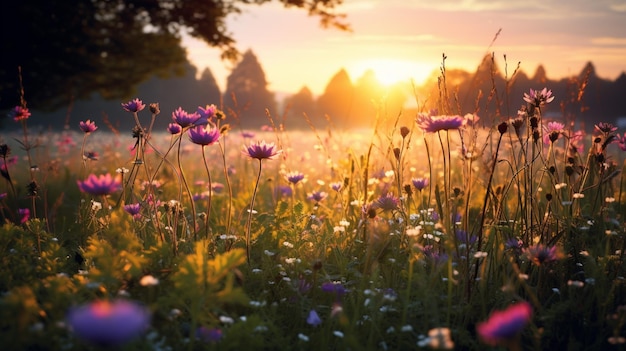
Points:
[(456, 231)]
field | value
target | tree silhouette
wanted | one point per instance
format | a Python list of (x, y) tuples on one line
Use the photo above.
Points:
[(68, 50), (299, 104), (247, 96), (337, 99)]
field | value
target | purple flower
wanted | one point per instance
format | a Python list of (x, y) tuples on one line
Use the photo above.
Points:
[(185, 119), (294, 177), (109, 323), (135, 105), (87, 126), (463, 238), (503, 327), (174, 128), (387, 202), (208, 334), (335, 288), (336, 186), (604, 127), (539, 98), (133, 210), (420, 183), (317, 196), (514, 244), (203, 135), (621, 142), (432, 124), (284, 190), (205, 113), (261, 150), (19, 113), (99, 185), (247, 134), (540, 254), (24, 214), (313, 319)]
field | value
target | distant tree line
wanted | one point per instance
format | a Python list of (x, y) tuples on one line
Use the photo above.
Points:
[(249, 104)]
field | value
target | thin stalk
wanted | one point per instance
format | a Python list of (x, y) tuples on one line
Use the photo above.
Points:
[(249, 222)]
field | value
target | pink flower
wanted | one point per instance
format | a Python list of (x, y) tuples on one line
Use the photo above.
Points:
[(621, 142), (261, 150), (109, 323), (539, 98), (552, 132), (99, 185), (540, 254), (431, 124), (24, 214), (503, 327), (87, 126), (203, 135), (19, 113), (135, 105)]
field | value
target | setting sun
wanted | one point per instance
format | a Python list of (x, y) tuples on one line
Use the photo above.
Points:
[(391, 71)]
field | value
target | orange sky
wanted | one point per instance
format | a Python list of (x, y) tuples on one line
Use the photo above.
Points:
[(404, 39)]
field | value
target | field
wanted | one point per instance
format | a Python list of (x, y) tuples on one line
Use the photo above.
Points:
[(449, 232)]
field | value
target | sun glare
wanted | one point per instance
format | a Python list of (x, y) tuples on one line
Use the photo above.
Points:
[(392, 71)]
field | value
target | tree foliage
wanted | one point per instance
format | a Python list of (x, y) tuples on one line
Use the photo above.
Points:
[(69, 50)]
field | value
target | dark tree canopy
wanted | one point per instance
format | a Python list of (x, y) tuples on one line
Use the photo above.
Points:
[(71, 49)]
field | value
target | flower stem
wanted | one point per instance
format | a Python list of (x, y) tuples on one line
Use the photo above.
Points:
[(249, 224)]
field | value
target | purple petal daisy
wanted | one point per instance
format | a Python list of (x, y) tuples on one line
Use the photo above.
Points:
[(503, 327), (184, 118), (294, 177), (206, 113), (174, 128), (99, 185), (133, 210), (317, 196), (261, 150), (420, 183), (135, 105), (387, 202), (431, 124), (109, 323), (87, 126), (203, 135)]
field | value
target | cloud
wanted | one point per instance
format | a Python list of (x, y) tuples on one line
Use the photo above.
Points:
[(609, 41)]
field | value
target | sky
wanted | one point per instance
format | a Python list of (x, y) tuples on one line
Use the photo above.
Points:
[(404, 40)]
